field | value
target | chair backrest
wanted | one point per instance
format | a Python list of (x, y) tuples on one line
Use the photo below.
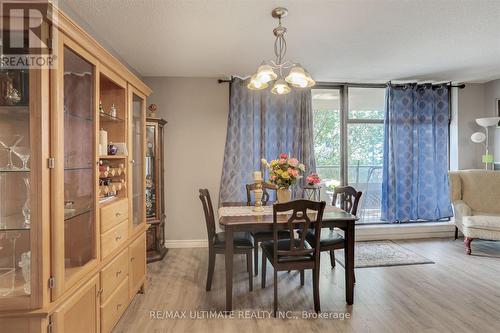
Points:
[(209, 213), (265, 194), (299, 219), (349, 198), (479, 189)]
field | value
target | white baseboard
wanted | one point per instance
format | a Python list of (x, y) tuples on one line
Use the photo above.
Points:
[(364, 233), (186, 243), (405, 231)]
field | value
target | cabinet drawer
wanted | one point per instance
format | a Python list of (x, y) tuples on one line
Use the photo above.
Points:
[(112, 310), (113, 213), (113, 274), (112, 239)]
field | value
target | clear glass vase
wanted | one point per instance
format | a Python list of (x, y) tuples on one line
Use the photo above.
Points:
[(27, 203)]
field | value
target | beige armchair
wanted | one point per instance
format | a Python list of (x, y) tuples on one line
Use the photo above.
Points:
[(475, 196)]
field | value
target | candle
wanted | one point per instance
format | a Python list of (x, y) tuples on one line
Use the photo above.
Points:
[(103, 141), (257, 176)]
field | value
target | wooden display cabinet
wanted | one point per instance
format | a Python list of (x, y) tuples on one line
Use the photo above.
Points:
[(155, 203), (72, 215)]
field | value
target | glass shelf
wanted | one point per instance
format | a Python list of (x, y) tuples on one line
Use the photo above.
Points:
[(2, 170), (79, 117), (112, 157), (78, 168), (109, 118), (13, 223), (70, 213)]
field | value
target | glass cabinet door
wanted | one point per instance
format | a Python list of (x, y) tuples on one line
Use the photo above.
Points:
[(16, 197), (75, 242), (151, 172), (138, 127), (79, 197)]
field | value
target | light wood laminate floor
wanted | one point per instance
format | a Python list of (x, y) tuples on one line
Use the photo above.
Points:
[(458, 293)]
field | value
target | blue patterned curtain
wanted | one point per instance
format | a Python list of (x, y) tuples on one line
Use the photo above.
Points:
[(415, 173), (263, 125)]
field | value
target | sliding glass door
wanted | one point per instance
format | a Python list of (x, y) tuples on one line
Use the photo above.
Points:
[(348, 139)]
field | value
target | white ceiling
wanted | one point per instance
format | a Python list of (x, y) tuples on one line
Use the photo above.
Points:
[(349, 40)]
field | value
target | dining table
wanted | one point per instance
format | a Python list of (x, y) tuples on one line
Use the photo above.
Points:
[(237, 217)]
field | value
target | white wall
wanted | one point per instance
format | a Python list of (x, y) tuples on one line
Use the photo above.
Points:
[(491, 93), (196, 111), (470, 105), (475, 101)]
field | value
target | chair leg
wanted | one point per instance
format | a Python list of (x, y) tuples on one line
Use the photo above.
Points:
[(467, 241), (275, 292), (211, 266), (302, 277), (250, 271), (317, 306), (456, 233), (332, 258), (263, 274), (256, 259)]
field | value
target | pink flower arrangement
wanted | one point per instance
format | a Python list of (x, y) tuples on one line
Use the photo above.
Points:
[(284, 171), (313, 179)]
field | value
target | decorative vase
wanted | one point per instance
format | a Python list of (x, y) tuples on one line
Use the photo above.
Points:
[(284, 194), (112, 149)]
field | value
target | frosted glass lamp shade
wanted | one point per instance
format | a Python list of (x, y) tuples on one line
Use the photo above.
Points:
[(297, 77), (280, 87), (478, 137), (256, 84), (265, 73), (487, 122)]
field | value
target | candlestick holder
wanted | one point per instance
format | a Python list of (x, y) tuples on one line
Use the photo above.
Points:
[(258, 196)]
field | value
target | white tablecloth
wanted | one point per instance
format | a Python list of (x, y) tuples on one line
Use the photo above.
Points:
[(245, 211)]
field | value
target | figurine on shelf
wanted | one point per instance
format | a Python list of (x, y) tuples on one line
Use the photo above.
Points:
[(112, 149), (13, 96), (152, 110), (112, 111), (101, 109)]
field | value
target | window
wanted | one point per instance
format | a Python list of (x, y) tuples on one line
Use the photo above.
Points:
[(348, 142)]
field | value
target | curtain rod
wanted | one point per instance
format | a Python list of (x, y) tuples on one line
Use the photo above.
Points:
[(449, 84), (459, 86)]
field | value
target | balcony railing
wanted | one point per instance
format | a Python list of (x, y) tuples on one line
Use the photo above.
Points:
[(365, 178)]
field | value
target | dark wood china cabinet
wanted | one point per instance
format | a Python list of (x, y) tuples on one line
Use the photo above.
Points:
[(155, 204)]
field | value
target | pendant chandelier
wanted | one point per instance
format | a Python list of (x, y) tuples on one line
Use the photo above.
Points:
[(274, 71)]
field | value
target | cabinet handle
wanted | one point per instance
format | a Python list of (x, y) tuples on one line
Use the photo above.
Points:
[(99, 292), (132, 259), (118, 238), (118, 214), (118, 306), (119, 272), (132, 161)]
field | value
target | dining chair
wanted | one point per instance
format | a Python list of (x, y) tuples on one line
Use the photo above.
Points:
[(261, 236), (348, 198), (242, 241), (295, 253)]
